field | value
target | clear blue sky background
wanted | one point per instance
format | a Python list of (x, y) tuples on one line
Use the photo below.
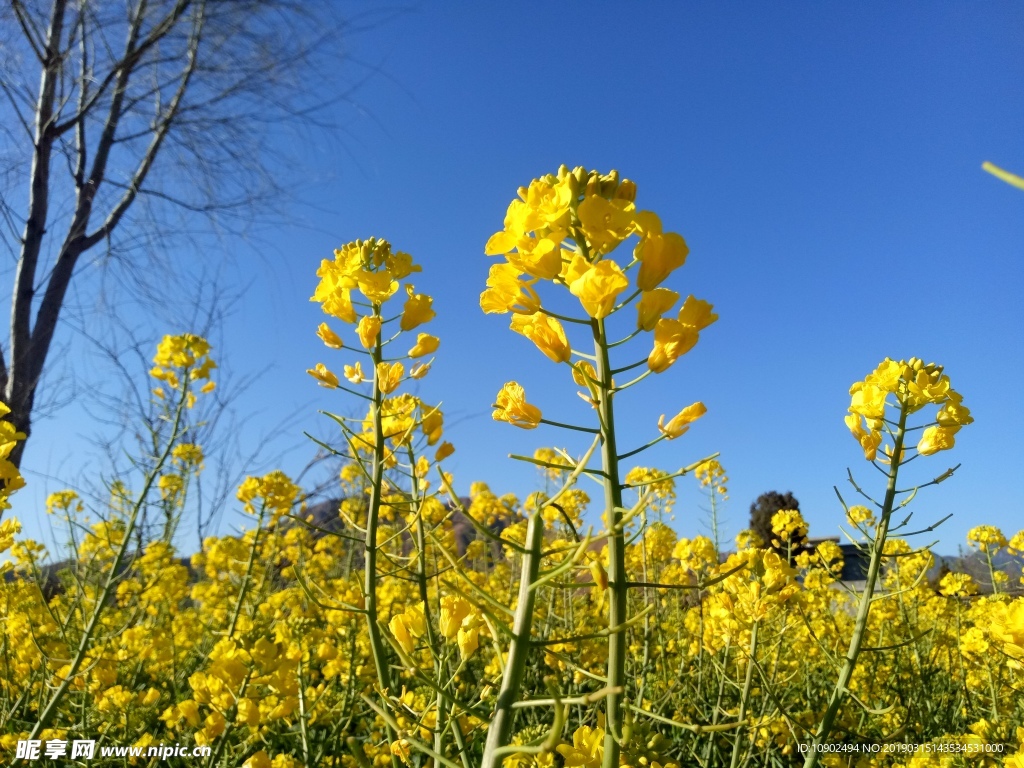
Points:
[(822, 161)]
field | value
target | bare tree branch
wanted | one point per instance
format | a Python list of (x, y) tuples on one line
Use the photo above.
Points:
[(144, 113)]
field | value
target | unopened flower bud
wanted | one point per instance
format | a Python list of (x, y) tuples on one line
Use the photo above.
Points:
[(626, 191)]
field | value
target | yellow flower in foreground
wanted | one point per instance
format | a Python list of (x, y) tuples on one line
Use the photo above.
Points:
[(468, 641), (368, 330), (329, 337), (417, 310), (389, 376), (378, 287), (400, 749), (324, 376), (1007, 627), (400, 629), (444, 450), (507, 293), (511, 406), (652, 305), (696, 313), (674, 338), (354, 373), (416, 620), (587, 748), (546, 332), (869, 441), (453, 610), (425, 345), (606, 223), (681, 422), (659, 255), (936, 439), (953, 412), (597, 286)]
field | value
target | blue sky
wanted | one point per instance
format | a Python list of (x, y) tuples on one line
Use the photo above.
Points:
[(822, 160)]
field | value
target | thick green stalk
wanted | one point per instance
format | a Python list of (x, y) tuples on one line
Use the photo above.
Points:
[(874, 566), (519, 647), (618, 592), (377, 647), (380, 659)]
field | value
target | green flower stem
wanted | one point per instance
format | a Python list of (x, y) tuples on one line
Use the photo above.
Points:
[(420, 541), (634, 382), (551, 423), (718, 702), (679, 473), (618, 592), (745, 698), (642, 448), (103, 599), (247, 577), (564, 318), (553, 465), (303, 718), (874, 566), (691, 727), (377, 647), (645, 574), (519, 647)]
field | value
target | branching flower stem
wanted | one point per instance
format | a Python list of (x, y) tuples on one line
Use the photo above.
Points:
[(377, 646), (874, 566)]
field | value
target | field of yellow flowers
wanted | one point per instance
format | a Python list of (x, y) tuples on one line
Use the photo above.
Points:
[(392, 639)]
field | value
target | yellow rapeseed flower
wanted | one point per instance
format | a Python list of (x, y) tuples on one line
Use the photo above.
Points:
[(323, 376), (659, 255), (546, 332), (511, 406), (329, 337), (425, 345), (368, 330), (680, 423), (417, 310), (597, 286), (652, 305), (389, 376)]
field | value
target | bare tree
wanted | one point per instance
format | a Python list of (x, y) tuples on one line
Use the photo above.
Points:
[(120, 115)]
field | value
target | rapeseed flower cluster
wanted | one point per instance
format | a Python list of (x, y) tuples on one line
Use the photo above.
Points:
[(413, 625)]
